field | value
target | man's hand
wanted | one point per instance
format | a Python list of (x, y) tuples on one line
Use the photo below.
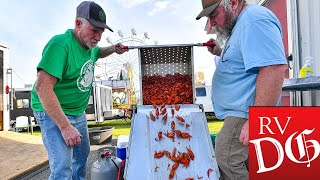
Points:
[(215, 50), (71, 135), (119, 48), (244, 136)]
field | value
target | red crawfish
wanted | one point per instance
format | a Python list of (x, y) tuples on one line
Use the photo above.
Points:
[(175, 159), (177, 107), (191, 154), (174, 150), (165, 117), (158, 154), (152, 117), (167, 153), (175, 166), (157, 112), (160, 135), (180, 119), (173, 125), (172, 112), (208, 172), (170, 135), (186, 136), (163, 111), (178, 132), (154, 106), (171, 175)]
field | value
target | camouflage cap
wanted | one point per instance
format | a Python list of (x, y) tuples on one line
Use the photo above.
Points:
[(208, 7)]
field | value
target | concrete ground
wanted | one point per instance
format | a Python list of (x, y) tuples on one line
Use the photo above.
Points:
[(24, 156), (44, 171)]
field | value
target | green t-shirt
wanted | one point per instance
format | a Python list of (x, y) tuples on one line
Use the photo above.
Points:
[(64, 58)]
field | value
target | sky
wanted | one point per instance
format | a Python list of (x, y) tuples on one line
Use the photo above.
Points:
[(26, 27)]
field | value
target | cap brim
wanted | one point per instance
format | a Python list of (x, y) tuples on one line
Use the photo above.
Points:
[(99, 25), (207, 11)]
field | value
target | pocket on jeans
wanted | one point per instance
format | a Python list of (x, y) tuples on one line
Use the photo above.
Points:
[(40, 116)]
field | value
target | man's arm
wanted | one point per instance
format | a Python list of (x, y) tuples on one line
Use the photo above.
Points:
[(106, 51), (268, 89), (49, 100), (269, 85)]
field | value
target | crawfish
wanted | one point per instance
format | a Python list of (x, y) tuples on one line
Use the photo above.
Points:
[(172, 112), (174, 150), (177, 107), (189, 179), (160, 135), (186, 136), (178, 132), (170, 135), (208, 172), (175, 166), (173, 125), (180, 119), (165, 117), (154, 106), (157, 112), (163, 111), (176, 100), (158, 154), (171, 174), (191, 154), (163, 105), (167, 153), (152, 117), (175, 159), (185, 159), (186, 156)]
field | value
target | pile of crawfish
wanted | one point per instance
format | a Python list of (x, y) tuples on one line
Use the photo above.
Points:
[(170, 89), (184, 158)]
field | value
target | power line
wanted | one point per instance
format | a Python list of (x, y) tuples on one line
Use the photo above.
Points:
[(12, 70)]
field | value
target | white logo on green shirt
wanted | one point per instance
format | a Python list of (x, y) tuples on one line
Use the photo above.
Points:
[(86, 76)]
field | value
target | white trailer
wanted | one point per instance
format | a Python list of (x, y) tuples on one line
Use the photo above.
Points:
[(100, 106), (203, 97)]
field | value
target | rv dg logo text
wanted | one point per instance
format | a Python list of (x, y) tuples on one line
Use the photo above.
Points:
[(281, 143), (301, 138)]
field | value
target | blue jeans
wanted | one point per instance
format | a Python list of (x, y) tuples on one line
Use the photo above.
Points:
[(65, 162)]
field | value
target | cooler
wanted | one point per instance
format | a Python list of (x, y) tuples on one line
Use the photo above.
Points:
[(122, 145)]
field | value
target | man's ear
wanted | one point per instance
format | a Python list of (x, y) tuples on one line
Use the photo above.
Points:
[(78, 23), (234, 4)]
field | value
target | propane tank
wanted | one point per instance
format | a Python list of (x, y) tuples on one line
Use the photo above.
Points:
[(106, 167)]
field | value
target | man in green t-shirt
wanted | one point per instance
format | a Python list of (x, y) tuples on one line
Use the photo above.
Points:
[(62, 90)]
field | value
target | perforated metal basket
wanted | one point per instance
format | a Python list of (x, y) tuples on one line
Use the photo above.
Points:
[(166, 60)]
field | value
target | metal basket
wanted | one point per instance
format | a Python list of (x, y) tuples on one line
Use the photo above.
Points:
[(166, 60)]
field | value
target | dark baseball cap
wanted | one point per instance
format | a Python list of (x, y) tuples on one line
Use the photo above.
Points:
[(93, 13), (208, 7)]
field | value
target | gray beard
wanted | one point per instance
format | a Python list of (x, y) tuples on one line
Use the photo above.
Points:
[(224, 33), (87, 43)]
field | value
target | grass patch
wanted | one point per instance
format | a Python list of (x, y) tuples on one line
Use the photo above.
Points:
[(122, 126), (36, 131)]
